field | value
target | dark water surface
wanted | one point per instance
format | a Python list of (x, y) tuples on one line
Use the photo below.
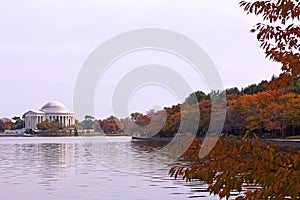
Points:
[(73, 168)]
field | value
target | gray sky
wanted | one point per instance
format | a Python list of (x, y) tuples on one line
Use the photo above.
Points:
[(43, 45)]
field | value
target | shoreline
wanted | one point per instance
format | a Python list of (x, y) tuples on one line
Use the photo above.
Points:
[(60, 135), (282, 143), (160, 139)]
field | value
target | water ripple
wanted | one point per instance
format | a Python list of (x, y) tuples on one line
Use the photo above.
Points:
[(63, 168)]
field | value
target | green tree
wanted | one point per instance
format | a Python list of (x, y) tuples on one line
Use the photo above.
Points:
[(79, 124), (2, 126), (195, 97), (296, 87), (18, 123), (88, 122), (29, 131), (254, 88), (233, 91)]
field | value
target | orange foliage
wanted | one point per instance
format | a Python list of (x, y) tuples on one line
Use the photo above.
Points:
[(233, 164), (264, 111), (279, 34)]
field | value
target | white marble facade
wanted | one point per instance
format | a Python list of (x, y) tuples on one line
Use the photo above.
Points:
[(52, 111)]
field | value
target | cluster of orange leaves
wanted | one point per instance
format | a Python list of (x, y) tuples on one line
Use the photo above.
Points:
[(279, 37), (235, 164)]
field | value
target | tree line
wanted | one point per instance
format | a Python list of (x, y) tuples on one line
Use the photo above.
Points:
[(267, 109)]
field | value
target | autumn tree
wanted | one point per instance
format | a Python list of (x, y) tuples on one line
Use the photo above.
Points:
[(111, 125), (8, 125), (57, 125), (273, 118), (246, 166), (237, 112), (140, 119), (44, 125), (205, 116), (172, 122), (291, 104), (272, 111), (47, 126), (279, 33)]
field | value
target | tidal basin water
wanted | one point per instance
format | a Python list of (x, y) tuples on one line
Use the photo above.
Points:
[(91, 168)]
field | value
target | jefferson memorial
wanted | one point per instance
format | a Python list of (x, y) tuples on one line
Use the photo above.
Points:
[(51, 111)]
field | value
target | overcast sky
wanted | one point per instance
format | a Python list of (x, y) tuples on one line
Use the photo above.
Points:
[(43, 45)]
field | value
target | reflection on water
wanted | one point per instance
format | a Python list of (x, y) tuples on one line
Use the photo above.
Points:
[(74, 168)]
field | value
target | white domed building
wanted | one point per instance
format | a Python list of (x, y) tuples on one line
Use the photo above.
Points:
[(51, 111)]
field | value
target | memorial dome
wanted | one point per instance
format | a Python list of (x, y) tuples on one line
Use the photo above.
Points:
[(54, 107)]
